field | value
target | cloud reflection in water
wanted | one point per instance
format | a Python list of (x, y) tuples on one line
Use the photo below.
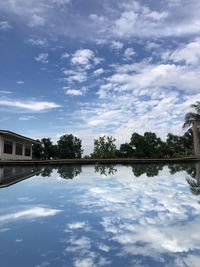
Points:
[(137, 216)]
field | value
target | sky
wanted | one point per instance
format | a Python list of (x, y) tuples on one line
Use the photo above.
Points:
[(93, 68)]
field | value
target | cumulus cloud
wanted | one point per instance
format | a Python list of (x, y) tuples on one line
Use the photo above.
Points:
[(42, 57), (36, 13), (137, 77), (65, 55), (127, 19), (4, 25), (85, 58), (75, 92), (77, 225), (39, 42), (99, 71), (129, 53), (189, 53), (78, 75), (116, 45)]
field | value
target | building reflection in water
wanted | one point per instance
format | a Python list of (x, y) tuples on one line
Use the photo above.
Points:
[(11, 175)]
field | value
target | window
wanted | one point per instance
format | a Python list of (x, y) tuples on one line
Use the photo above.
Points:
[(7, 147), (18, 149), (27, 151)]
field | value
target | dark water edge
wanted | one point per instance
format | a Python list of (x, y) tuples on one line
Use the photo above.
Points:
[(96, 161)]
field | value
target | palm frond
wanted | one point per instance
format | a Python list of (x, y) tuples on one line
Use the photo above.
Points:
[(190, 117), (196, 106)]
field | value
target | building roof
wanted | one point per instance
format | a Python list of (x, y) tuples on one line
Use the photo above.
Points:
[(12, 134)]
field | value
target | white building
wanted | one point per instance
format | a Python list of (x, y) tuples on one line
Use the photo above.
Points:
[(14, 146)]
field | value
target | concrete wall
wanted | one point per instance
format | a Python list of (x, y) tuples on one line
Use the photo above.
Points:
[(13, 156)]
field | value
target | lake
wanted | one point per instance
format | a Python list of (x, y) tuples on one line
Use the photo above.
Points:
[(83, 216)]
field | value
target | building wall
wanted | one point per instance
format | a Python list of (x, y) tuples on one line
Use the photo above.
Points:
[(13, 156)]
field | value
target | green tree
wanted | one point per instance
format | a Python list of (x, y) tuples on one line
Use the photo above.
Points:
[(147, 146), (190, 117), (180, 146), (69, 147), (37, 150), (126, 151), (104, 147), (48, 148)]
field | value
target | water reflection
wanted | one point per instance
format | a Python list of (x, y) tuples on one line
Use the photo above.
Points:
[(194, 180), (69, 172), (12, 175), (91, 221), (189, 168), (103, 169), (150, 170), (47, 171)]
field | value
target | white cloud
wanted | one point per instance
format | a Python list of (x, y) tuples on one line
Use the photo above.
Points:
[(85, 58), (20, 82), (4, 25), (74, 92), (107, 22), (154, 76), (129, 53), (40, 42), (116, 45), (77, 225), (35, 212), (75, 75), (29, 105), (43, 58), (85, 262), (35, 13), (125, 24), (98, 72), (140, 97), (26, 118), (65, 55), (189, 53), (82, 57), (37, 20), (5, 92), (61, 2)]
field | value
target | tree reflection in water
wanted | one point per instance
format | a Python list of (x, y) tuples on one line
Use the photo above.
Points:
[(193, 171), (69, 172), (190, 169), (105, 169), (46, 172), (194, 182), (65, 172), (150, 170)]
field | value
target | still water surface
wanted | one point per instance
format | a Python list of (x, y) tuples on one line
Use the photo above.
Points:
[(140, 215)]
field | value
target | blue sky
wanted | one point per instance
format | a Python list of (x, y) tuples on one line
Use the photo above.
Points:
[(98, 67)]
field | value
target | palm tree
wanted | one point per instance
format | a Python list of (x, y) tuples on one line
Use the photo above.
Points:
[(191, 117)]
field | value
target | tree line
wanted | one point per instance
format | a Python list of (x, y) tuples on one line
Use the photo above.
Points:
[(148, 145)]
